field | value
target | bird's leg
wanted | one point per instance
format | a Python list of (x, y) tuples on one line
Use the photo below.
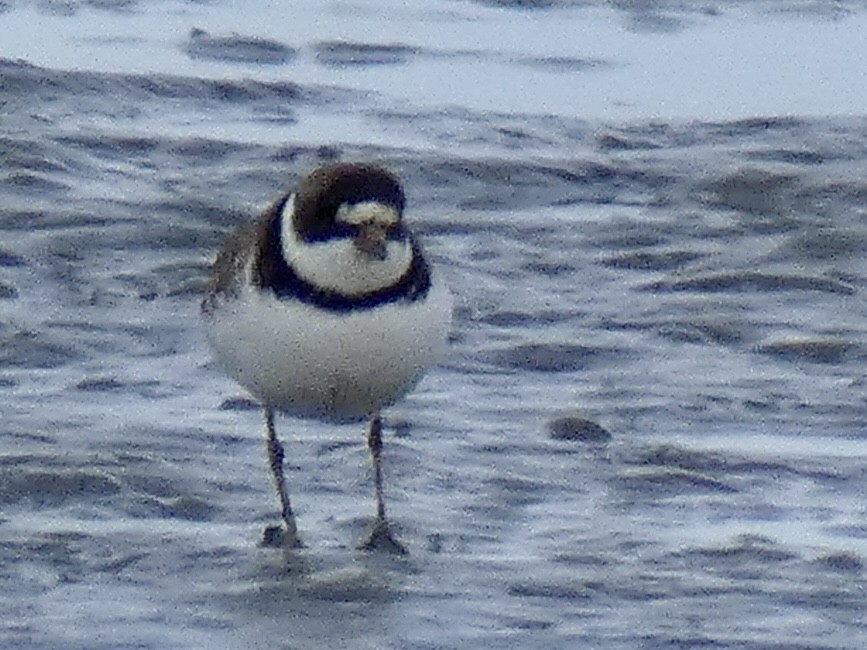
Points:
[(273, 535), (380, 536)]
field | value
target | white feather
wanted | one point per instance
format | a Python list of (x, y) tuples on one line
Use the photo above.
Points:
[(367, 212), (339, 366)]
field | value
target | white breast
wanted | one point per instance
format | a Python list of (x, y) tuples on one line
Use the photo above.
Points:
[(339, 366)]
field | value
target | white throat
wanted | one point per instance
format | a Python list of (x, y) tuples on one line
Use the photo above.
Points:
[(338, 265)]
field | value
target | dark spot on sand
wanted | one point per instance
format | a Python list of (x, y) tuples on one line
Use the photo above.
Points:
[(577, 429)]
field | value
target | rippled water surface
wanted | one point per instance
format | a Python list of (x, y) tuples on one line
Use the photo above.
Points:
[(650, 429)]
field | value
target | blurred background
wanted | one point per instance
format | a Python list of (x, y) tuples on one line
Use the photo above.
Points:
[(650, 429)]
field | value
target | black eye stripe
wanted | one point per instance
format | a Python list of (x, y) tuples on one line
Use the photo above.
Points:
[(340, 230)]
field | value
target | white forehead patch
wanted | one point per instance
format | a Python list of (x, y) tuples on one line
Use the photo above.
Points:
[(357, 214)]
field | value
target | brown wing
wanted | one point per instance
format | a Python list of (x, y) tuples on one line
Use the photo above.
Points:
[(228, 270)]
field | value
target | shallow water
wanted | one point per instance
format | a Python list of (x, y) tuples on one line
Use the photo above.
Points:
[(687, 274)]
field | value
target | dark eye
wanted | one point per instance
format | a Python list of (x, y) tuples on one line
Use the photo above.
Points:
[(344, 230), (395, 232)]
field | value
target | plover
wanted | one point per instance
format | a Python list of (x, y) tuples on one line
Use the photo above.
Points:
[(325, 307)]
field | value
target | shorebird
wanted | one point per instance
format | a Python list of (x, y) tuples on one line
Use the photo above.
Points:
[(325, 307)]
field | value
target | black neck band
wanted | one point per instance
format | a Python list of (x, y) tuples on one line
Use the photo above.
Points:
[(278, 276)]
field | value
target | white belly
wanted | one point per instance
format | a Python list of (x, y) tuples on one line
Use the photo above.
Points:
[(333, 366)]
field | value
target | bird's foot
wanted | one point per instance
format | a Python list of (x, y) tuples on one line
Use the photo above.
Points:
[(381, 539), (279, 537)]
